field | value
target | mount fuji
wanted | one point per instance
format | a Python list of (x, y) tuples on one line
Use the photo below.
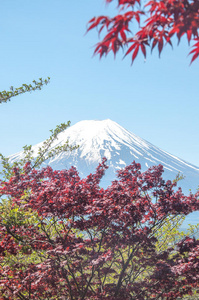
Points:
[(98, 139)]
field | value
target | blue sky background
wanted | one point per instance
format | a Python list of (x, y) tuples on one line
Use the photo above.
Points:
[(158, 99)]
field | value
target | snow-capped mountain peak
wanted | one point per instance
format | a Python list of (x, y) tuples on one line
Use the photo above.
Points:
[(97, 139)]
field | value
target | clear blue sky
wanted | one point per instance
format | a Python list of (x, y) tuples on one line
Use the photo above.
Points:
[(158, 99)]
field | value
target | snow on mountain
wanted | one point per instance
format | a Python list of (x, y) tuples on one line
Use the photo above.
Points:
[(98, 139)]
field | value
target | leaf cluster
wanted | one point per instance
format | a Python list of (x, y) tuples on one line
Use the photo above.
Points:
[(36, 85), (146, 25)]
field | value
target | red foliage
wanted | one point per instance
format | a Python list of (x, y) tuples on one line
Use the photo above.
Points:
[(93, 243), (160, 22)]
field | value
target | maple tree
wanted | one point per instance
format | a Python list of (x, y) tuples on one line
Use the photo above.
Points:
[(148, 24), (63, 237)]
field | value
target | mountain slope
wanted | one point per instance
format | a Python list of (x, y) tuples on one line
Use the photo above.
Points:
[(98, 139)]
